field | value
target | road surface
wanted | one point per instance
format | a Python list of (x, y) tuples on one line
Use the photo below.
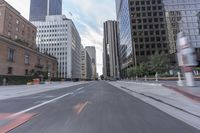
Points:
[(96, 107)]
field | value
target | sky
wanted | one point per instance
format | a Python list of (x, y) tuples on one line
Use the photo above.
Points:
[(88, 16)]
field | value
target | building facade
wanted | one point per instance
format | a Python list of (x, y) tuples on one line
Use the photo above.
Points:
[(59, 37), (126, 51), (183, 15), (92, 53), (86, 65), (16, 27), (110, 50), (19, 60), (153, 26), (18, 53), (39, 9)]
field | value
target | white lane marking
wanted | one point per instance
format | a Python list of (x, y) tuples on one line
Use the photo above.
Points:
[(42, 104), (80, 89)]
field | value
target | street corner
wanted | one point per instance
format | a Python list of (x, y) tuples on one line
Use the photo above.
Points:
[(9, 122)]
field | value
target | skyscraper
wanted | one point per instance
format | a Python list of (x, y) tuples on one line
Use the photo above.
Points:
[(55, 7), (149, 26), (59, 37), (86, 65), (110, 50), (39, 9), (126, 54), (92, 53)]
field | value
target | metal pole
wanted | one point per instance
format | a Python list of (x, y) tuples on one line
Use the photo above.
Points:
[(179, 82)]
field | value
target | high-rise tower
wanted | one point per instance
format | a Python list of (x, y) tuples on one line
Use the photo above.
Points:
[(39, 9)]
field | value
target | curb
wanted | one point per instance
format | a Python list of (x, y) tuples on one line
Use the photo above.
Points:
[(185, 93)]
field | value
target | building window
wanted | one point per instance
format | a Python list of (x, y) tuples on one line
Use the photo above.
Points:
[(9, 34), (17, 29), (26, 59), (142, 53), (26, 72), (10, 70), (17, 21), (10, 25), (11, 55), (10, 17), (159, 2), (16, 37)]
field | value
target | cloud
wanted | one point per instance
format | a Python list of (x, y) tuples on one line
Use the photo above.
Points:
[(90, 23), (88, 16)]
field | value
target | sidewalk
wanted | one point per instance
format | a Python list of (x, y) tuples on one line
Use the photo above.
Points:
[(190, 92), (167, 100), (24, 90)]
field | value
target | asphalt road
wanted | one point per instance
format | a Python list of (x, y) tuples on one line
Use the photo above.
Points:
[(96, 108)]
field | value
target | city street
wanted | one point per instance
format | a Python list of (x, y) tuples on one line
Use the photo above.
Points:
[(95, 107)]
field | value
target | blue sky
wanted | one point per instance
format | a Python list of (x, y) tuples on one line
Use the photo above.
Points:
[(88, 16)]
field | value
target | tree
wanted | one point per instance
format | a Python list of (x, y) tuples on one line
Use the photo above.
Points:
[(129, 72), (158, 63)]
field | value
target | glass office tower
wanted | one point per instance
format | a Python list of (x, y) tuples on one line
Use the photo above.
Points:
[(150, 26), (55, 7), (125, 46), (183, 15), (39, 9)]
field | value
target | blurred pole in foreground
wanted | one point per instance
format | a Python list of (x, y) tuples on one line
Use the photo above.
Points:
[(156, 77), (186, 58), (180, 82)]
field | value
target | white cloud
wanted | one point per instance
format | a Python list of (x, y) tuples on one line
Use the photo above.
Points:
[(98, 11)]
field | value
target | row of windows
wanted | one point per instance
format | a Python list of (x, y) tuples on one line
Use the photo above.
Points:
[(53, 44), (146, 8), (149, 39), (143, 53), (51, 40), (52, 26), (147, 15), (17, 37), (51, 35), (51, 30), (53, 51), (159, 45), (17, 23), (12, 55), (149, 26), (26, 71), (148, 33), (147, 21), (10, 71), (146, 2)]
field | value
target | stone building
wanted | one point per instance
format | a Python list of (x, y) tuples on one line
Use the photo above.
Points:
[(18, 52)]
